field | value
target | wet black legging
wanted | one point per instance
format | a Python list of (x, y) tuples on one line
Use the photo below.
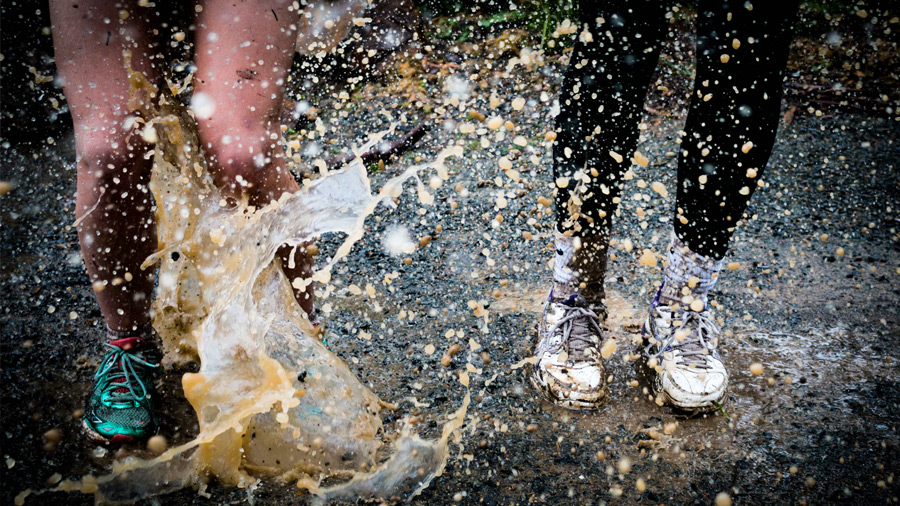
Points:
[(730, 129)]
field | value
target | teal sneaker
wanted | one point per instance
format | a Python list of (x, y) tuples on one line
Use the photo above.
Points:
[(120, 409)]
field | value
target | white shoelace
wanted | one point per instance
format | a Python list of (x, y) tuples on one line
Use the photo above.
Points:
[(576, 325), (700, 340)]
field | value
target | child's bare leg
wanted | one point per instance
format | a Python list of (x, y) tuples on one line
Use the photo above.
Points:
[(243, 53), (116, 229)]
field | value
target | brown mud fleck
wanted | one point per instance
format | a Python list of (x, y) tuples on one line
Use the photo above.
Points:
[(248, 74)]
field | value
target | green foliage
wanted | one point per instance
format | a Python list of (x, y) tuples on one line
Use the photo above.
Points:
[(501, 17), (829, 6), (545, 16), (540, 18), (433, 8), (817, 16)]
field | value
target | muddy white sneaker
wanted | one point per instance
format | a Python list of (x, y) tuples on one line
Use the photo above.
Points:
[(679, 352), (569, 370)]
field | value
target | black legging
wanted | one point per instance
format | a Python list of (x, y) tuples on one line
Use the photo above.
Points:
[(735, 102)]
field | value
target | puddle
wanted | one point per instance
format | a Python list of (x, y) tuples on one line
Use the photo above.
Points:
[(795, 366)]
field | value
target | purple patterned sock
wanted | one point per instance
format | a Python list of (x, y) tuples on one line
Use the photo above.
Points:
[(687, 273)]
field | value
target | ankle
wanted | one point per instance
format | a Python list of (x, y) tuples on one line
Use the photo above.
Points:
[(579, 268), (144, 331), (688, 276)]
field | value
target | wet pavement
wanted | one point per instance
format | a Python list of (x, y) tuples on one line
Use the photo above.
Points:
[(813, 297)]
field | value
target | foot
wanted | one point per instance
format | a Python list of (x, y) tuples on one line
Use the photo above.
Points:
[(679, 352), (120, 409), (569, 370)]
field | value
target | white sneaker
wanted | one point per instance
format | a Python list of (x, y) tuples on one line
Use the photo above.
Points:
[(679, 351), (569, 370)]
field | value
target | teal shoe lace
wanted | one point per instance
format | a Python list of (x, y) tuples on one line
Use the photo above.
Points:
[(122, 376)]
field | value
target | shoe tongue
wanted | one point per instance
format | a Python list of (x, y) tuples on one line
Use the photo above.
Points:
[(575, 300), (692, 344), (581, 334), (129, 344)]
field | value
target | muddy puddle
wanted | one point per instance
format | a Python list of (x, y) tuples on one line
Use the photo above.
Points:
[(772, 375)]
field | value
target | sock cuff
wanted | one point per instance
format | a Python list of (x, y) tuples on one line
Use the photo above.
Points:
[(562, 264), (144, 331), (683, 264)]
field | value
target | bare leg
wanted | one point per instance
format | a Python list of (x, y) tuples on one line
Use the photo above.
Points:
[(244, 51), (116, 229)]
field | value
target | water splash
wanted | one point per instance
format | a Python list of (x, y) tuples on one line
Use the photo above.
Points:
[(271, 399)]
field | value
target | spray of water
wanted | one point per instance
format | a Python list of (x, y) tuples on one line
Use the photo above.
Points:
[(271, 399)]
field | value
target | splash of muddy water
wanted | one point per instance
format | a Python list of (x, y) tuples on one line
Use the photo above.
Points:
[(271, 399)]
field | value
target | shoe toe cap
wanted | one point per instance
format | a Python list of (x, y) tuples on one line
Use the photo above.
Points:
[(584, 376), (695, 383), (575, 386)]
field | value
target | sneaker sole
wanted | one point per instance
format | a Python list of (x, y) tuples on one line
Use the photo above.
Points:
[(706, 407), (96, 437)]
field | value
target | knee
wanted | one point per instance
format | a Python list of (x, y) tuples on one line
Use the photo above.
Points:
[(115, 162)]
